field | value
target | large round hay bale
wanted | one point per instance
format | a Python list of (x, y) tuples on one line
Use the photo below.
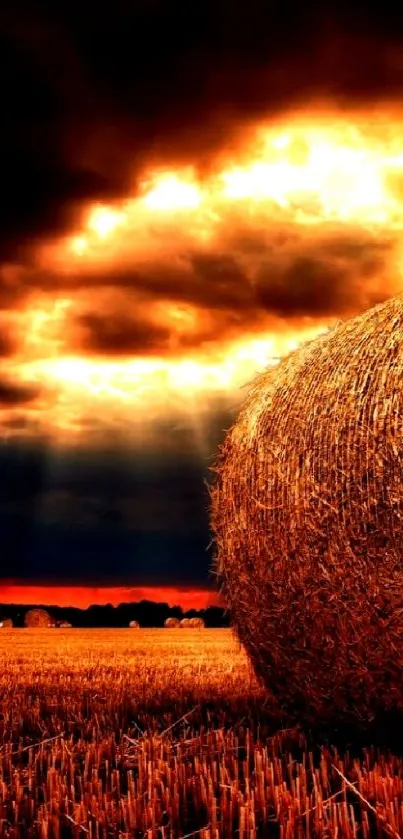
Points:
[(172, 623), (307, 515), (134, 625), (37, 618)]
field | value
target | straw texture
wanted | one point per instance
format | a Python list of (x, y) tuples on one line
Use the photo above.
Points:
[(307, 516)]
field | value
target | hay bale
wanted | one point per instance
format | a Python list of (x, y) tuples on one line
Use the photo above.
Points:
[(172, 623), (38, 618), (6, 623), (63, 625), (134, 625), (191, 623), (307, 516), (196, 623)]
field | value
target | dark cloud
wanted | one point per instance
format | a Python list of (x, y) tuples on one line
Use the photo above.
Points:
[(13, 395), (114, 333), (262, 280), (7, 344), (89, 92), (223, 278), (123, 515), (333, 278), (121, 335), (71, 555), (249, 279), (19, 423)]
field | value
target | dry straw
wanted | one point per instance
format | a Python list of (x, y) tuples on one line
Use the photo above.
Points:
[(307, 515), (38, 618)]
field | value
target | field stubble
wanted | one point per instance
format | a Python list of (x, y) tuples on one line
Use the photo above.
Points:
[(164, 735)]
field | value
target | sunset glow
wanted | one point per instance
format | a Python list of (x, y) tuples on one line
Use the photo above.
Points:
[(170, 194), (82, 597)]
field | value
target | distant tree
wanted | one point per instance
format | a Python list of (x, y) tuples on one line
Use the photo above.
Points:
[(147, 613), (215, 616)]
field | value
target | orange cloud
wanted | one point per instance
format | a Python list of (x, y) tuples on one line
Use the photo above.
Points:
[(194, 283)]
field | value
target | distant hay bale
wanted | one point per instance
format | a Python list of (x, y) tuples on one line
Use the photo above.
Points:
[(38, 618), (307, 516), (134, 625), (6, 623), (184, 624), (192, 623), (172, 623), (63, 625), (196, 623)]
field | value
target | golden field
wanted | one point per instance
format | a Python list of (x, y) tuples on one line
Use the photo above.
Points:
[(165, 734)]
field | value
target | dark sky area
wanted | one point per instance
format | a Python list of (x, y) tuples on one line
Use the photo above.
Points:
[(111, 516), (94, 95), (90, 90)]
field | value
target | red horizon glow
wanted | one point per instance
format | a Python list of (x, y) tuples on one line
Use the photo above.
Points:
[(84, 596)]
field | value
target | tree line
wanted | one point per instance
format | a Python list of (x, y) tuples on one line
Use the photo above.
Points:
[(147, 613)]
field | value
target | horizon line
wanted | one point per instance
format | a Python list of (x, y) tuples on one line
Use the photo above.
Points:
[(82, 597)]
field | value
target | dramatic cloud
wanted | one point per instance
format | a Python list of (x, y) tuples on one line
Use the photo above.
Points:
[(324, 278), (156, 305)]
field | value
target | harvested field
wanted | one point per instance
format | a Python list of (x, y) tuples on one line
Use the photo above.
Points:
[(106, 733)]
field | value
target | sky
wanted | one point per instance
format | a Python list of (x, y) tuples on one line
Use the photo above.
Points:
[(189, 191)]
